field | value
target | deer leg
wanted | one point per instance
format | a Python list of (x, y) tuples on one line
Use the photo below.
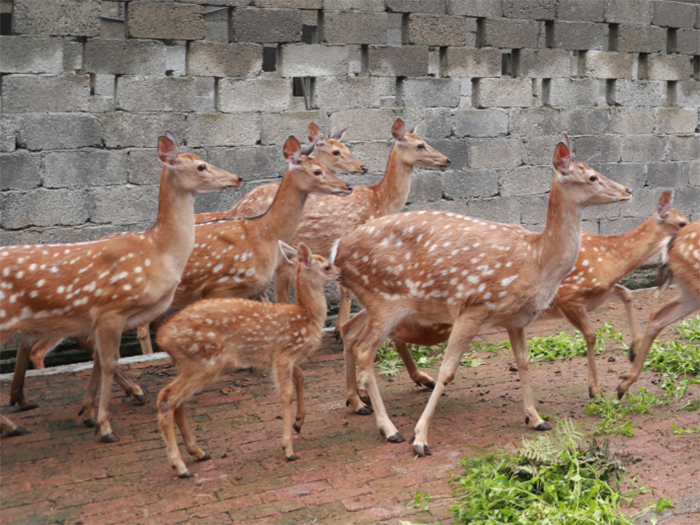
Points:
[(298, 377), (108, 336), (17, 387), (660, 318), (579, 319), (351, 332), (88, 408), (283, 282), (625, 296), (40, 349), (143, 334), (285, 383), (522, 358), (188, 436), (419, 377), (9, 427), (463, 332), (344, 309)]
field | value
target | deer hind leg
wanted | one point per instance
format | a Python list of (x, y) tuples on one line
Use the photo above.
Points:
[(188, 436), (283, 282), (9, 427), (344, 309), (108, 336), (285, 383), (17, 387), (522, 358), (298, 377), (419, 377), (625, 296), (669, 313), (579, 319), (40, 349), (351, 332), (143, 334)]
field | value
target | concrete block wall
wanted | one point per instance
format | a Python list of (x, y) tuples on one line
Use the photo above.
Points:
[(88, 85)]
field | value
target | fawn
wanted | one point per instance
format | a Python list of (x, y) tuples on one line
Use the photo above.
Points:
[(213, 334), (105, 286), (431, 268)]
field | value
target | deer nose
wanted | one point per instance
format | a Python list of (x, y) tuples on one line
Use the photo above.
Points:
[(629, 191), (364, 168), (349, 188), (448, 162)]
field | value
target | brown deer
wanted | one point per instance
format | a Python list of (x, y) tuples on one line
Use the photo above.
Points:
[(431, 268), (214, 334), (9, 427), (103, 287), (327, 218), (680, 265), (602, 261)]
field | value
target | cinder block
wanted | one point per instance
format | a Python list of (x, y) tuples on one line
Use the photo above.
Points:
[(364, 124), (431, 92), (276, 127), (544, 63), (473, 63), (673, 14), (267, 25), (156, 94), (676, 120), (395, 61), (495, 153), (433, 123), (37, 131), (643, 148), (631, 175), (626, 12), (42, 207), (618, 226), (354, 5), (457, 150), (686, 201), (84, 168), (634, 93), (290, 4), (684, 147), (144, 168), (602, 64), (165, 21), (21, 170), (124, 204), (694, 170), (689, 94), (217, 129), (255, 94), (28, 54), (580, 35), (527, 180), (668, 174), (481, 123), (583, 10), (125, 57), (355, 28), (538, 151), (374, 155), (224, 60), (317, 60), (640, 39), (470, 184), (607, 148), (506, 210), (509, 34), (426, 186), (530, 9), (534, 121), (502, 92), (58, 17), (585, 121), (437, 30), (176, 59), (669, 67), (629, 121), (251, 163), (346, 93), (205, 94), (140, 130), (565, 92), (72, 56), (428, 7), (688, 41), (32, 93), (476, 8), (216, 26)]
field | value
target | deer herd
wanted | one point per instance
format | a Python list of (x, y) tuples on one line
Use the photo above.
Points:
[(422, 277)]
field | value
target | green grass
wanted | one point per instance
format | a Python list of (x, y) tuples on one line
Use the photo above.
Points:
[(612, 411), (689, 329)]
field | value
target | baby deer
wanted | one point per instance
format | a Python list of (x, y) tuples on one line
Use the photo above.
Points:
[(214, 334)]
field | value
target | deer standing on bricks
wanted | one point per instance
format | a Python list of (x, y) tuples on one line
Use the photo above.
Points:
[(214, 334), (105, 286), (428, 268), (603, 260)]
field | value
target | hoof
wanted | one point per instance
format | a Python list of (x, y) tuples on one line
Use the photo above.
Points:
[(109, 438), (395, 438), (543, 426), (296, 428), (365, 411), (185, 475), (205, 457), (422, 450), (19, 431), (140, 399), (90, 423), (293, 457), (430, 385), (620, 393), (28, 406), (632, 354), (366, 400), (593, 395)]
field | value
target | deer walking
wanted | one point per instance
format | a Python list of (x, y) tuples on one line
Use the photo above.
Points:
[(100, 288), (430, 268), (602, 261), (213, 334)]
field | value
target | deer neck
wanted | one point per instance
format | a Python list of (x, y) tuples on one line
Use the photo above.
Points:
[(310, 297), (639, 244), (392, 191), (282, 220), (173, 233)]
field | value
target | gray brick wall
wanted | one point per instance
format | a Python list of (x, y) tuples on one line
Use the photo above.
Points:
[(491, 83)]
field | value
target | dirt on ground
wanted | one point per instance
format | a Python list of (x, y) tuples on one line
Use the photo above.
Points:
[(347, 474)]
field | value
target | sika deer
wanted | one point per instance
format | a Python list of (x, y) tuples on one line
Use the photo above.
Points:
[(431, 268), (602, 261), (214, 334), (680, 265), (105, 286)]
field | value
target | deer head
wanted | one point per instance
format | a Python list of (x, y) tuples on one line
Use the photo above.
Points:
[(316, 177), (334, 155), (313, 267), (414, 150), (667, 220)]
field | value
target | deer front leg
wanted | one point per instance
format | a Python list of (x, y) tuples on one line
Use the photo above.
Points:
[(17, 387), (143, 334), (167, 428), (301, 404), (577, 315), (344, 309), (351, 332), (108, 336), (283, 282), (419, 377), (522, 358), (9, 427), (285, 383), (625, 296), (40, 349)]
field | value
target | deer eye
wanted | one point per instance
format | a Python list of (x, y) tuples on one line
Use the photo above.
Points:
[(336, 153), (328, 268), (421, 146), (317, 172), (683, 223), (202, 167), (593, 178)]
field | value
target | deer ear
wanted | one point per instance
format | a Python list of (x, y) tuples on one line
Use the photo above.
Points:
[(398, 130), (314, 132), (304, 254), (292, 150), (413, 129), (339, 134), (167, 148), (562, 158), (664, 204), (288, 252), (309, 148)]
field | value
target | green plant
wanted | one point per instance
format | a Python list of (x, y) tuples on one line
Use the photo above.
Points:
[(611, 411), (678, 431), (692, 404), (555, 347), (689, 329)]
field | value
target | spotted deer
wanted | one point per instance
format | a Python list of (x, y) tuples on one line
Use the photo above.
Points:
[(214, 334), (9, 427), (602, 261), (100, 288), (680, 266), (429, 268)]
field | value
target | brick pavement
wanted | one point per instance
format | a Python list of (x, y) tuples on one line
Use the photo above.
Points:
[(60, 473)]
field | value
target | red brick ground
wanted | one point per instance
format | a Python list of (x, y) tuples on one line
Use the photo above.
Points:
[(60, 473)]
